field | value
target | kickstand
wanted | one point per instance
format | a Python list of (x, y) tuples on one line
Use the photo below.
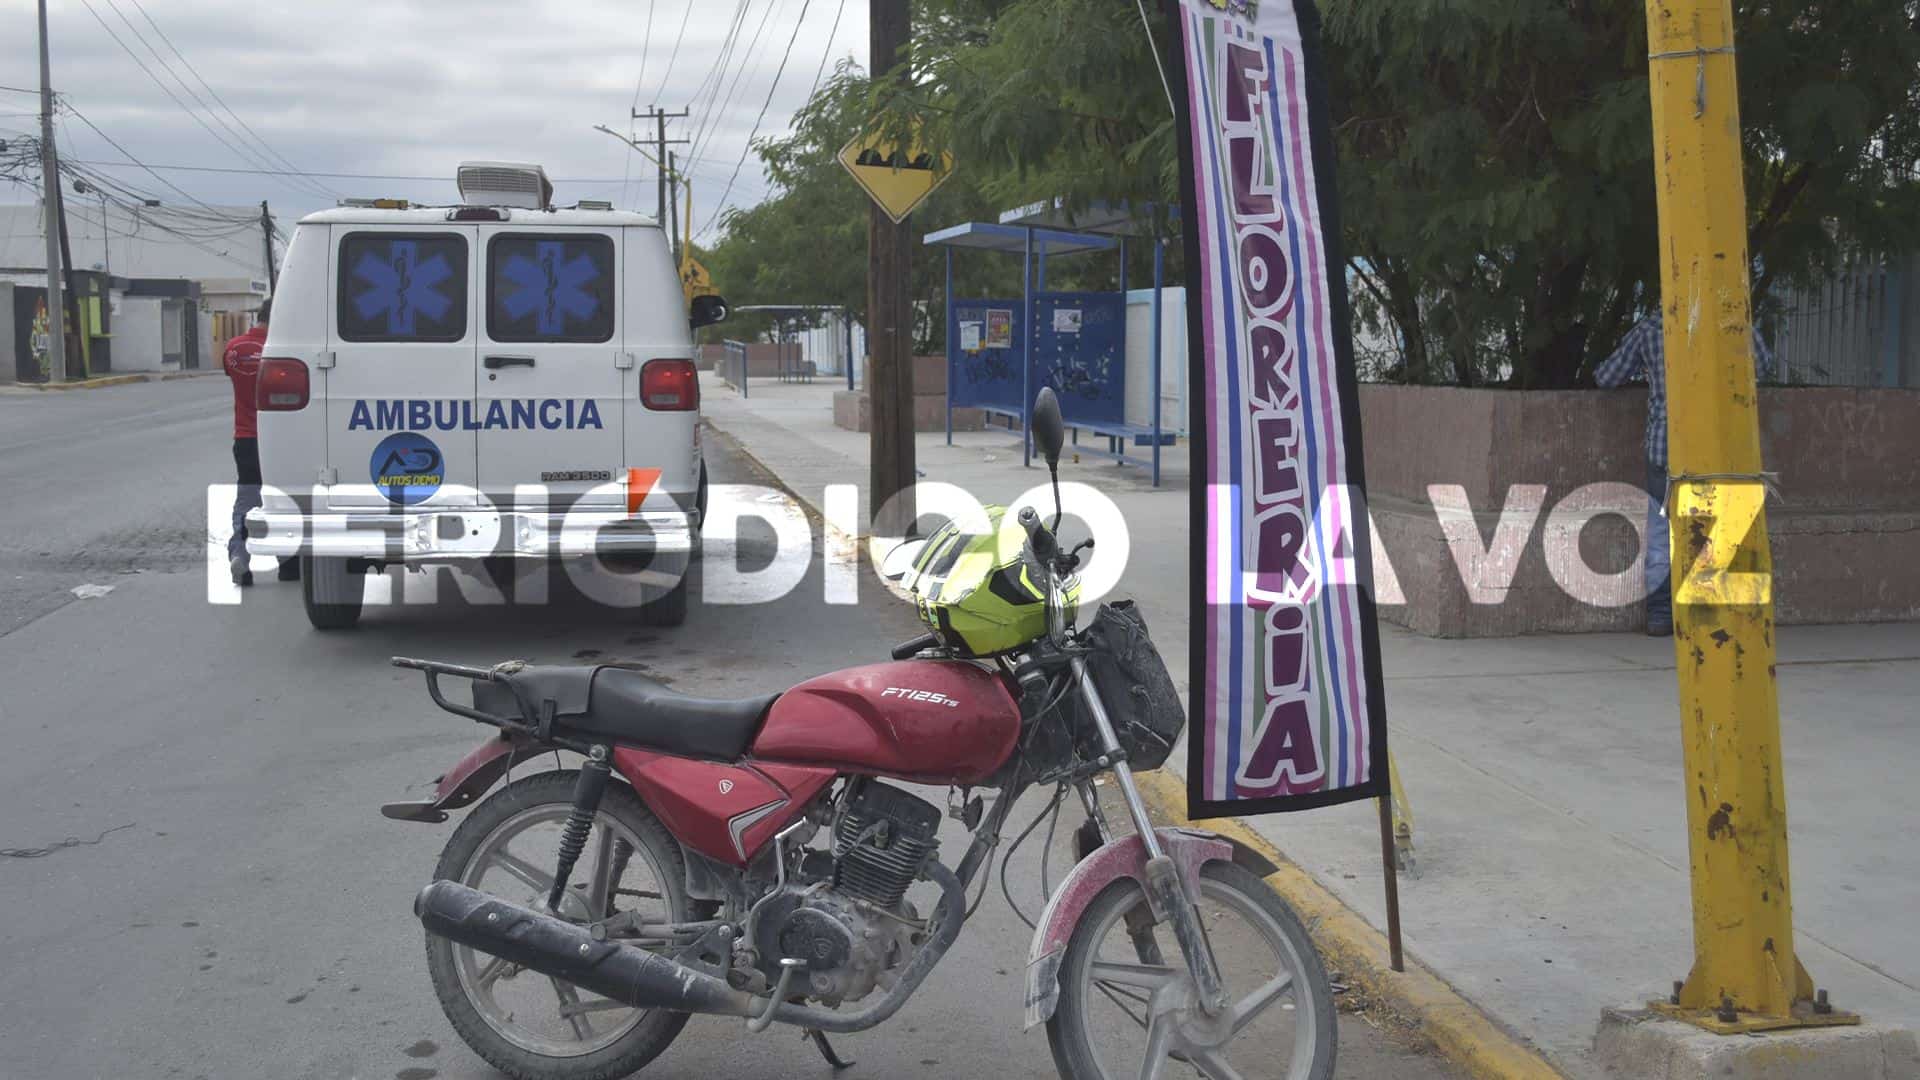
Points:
[(826, 1050)]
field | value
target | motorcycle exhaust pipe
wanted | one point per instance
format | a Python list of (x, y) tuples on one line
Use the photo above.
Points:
[(563, 950)]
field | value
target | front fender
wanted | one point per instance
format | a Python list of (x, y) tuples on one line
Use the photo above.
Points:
[(1190, 849), (483, 766)]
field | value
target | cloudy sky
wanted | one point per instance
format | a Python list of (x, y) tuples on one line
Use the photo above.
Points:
[(408, 88)]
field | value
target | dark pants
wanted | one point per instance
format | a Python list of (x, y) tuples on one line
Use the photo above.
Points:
[(246, 465), (1659, 549)]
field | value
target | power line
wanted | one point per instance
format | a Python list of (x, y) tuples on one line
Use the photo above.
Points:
[(240, 145), (82, 117), (744, 150), (709, 87), (275, 154), (640, 81), (646, 47), (164, 88), (714, 117), (826, 52), (106, 228), (604, 180), (674, 55)]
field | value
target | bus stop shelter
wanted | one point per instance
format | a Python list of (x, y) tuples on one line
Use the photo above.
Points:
[(788, 319), (1001, 351)]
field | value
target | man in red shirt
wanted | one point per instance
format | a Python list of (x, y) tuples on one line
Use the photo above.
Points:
[(242, 362)]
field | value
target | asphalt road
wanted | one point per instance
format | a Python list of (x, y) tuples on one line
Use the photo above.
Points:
[(247, 911)]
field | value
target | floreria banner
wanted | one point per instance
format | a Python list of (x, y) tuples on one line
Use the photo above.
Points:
[(1286, 709)]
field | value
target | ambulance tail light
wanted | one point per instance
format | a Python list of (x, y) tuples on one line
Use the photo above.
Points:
[(669, 386), (283, 385)]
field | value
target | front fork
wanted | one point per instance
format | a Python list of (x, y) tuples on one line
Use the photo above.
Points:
[(1166, 896)]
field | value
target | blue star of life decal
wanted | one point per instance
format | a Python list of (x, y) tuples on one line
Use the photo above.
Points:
[(552, 288), (402, 286)]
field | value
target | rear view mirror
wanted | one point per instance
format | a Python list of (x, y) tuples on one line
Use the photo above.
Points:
[(707, 310), (1049, 430)]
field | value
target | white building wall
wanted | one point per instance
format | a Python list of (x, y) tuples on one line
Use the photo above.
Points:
[(136, 334), (203, 339), (1173, 358)]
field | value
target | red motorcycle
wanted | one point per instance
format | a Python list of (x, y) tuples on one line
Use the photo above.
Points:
[(580, 916)]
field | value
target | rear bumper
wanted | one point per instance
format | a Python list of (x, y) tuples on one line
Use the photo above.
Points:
[(663, 537)]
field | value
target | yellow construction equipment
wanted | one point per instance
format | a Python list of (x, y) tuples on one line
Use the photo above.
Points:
[(1745, 976)]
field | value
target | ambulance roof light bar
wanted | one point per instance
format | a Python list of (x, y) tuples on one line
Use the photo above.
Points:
[(504, 183)]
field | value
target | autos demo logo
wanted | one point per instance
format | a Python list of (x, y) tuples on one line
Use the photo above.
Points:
[(407, 468), (522, 414)]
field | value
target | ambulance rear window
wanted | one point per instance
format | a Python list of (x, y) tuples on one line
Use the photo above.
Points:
[(403, 286), (550, 287)]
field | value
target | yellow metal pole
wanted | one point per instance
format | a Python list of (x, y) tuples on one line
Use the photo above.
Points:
[(1745, 974)]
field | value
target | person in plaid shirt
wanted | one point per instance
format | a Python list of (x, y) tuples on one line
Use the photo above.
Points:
[(1642, 354)]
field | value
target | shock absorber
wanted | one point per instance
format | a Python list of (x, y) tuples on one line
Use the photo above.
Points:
[(587, 789)]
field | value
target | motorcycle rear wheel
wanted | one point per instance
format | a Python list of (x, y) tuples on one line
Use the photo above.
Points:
[(1127, 1007), (540, 1032)]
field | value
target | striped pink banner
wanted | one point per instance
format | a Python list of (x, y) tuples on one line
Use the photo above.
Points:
[(1287, 707)]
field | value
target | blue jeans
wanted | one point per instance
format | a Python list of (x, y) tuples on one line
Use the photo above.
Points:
[(1659, 546)]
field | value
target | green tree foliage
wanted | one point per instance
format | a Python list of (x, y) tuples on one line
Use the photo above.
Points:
[(1496, 161), (1047, 98), (1496, 167), (807, 243)]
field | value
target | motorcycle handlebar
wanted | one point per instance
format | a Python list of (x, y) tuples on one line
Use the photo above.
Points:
[(1042, 541), (907, 649)]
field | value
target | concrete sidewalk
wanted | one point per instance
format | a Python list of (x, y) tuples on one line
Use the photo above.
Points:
[(1544, 772)]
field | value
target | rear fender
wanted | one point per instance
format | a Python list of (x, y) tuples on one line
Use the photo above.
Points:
[(1190, 849), (483, 767)]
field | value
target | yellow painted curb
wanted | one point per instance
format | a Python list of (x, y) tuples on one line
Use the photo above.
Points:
[(89, 384), (122, 380), (1463, 1034)]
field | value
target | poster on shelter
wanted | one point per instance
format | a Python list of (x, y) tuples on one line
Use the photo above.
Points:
[(970, 336), (999, 328), (1286, 709)]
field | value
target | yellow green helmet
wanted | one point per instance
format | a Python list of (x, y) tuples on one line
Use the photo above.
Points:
[(978, 591)]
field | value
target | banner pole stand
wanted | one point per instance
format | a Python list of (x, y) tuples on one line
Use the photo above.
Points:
[(1395, 954)]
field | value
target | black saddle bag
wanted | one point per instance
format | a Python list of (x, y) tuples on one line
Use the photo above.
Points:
[(1134, 684)]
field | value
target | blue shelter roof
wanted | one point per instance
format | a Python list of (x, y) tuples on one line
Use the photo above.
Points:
[(1012, 239)]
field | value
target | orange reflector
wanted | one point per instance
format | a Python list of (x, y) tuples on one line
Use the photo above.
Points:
[(639, 482)]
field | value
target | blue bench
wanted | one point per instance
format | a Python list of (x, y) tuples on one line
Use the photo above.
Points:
[(1119, 436)]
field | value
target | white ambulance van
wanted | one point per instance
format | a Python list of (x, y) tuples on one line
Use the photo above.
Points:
[(486, 383)]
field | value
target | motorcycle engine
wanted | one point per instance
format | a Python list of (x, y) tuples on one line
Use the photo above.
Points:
[(853, 927)]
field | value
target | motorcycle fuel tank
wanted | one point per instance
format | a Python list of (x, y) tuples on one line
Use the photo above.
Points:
[(940, 721)]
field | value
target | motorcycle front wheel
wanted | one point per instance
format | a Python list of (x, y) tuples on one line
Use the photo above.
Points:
[(1128, 1011), (525, 1024)]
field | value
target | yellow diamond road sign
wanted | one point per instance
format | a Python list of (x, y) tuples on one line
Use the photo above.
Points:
[(897, 181)]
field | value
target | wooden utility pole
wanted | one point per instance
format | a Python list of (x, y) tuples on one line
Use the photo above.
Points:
[(1746, 975), (673, 207), (71, 285), (660, 142), (50, 197), (889, 319), (266, 237)]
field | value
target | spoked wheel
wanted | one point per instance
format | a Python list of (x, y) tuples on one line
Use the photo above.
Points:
[(526, 1024), (1128, 1008)]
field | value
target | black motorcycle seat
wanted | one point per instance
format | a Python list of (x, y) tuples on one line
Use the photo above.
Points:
[(628, 708)]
